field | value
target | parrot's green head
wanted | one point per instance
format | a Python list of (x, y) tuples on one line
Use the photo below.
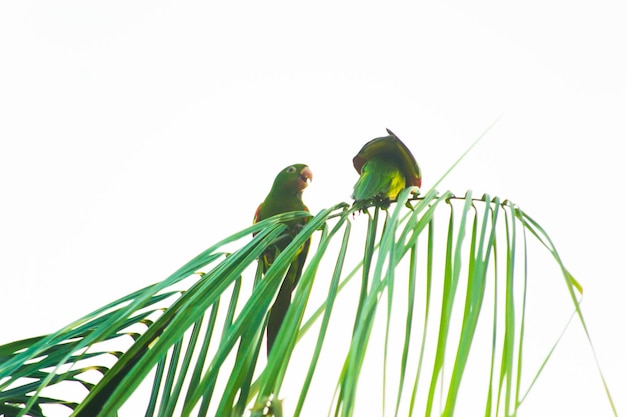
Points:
[(294, 178)]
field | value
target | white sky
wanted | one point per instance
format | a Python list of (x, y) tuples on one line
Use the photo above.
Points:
[(135, 134)]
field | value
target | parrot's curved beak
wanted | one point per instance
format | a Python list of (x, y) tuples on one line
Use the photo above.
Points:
[(306, 175)]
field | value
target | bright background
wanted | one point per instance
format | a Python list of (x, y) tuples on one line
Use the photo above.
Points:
[(135, 134)]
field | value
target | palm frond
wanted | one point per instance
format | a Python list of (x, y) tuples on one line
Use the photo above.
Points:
[(197, 337)]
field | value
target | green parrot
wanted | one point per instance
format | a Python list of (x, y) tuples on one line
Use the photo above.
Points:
[(285, 196), (386, 167)]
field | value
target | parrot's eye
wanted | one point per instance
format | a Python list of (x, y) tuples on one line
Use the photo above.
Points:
[(291, 170)]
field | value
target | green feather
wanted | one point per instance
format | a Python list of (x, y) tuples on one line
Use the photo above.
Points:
[(379, 178)]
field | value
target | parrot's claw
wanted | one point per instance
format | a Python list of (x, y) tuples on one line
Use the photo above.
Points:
[(382, 202)]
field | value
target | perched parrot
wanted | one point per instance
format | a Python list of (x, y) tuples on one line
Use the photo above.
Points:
[(285, 196), (386, 167)]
